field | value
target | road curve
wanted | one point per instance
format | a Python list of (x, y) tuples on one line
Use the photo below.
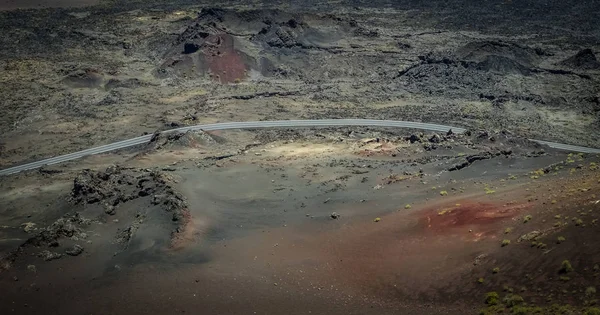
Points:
[(263, 124)]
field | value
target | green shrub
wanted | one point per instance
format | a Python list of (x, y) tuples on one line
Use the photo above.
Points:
[(492, 310), (560, 239), (496, 270), (590, 291), (566, 267), (491, 298), (592, 311), (505, 243), (541, 245), (561, 309), (526, 310), (527, 218), (512, 300)]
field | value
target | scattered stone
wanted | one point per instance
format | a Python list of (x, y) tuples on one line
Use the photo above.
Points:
[(28, 227), (369, 140), (479, 259), (48, 255), (413, 138), (435, 138), (335, 215), (110, 210), (76, 250)]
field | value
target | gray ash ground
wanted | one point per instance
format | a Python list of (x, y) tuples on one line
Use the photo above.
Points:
[(255, 218), (239, 221)]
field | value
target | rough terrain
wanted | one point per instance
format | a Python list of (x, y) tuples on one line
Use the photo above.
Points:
[(297, 221)]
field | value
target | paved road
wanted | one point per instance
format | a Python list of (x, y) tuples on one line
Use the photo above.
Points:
[(264, 124)]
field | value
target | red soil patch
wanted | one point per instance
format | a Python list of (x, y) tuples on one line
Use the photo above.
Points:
[(405, 256), (223, 60), (465, 213)]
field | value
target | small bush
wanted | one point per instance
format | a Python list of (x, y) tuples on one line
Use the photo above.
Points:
[(512, 300), (443, 193), (564, 278), (492, 310), (505, 243), (491, 298), (526, 310), (560, 239), (596, 267), (507, 230), (496, 270), (578, 222), (590, 291), (566, 267), (592, 311), (407, 207), (480, 280), (541, 245), (527, 218)]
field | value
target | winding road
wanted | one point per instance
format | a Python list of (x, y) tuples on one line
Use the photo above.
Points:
[(267, 124)]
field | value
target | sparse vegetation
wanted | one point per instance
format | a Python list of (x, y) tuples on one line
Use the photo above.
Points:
[(564, 278), (443, 193), (579, 222), (590, 292), (592, 311), (507, 230), (505, 243), (541, 245), (512, 300), (526, 310), (407, 206), (560, 239), (496, 270), (527, 218), (480, 280), (566, 267), (491, 298)]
